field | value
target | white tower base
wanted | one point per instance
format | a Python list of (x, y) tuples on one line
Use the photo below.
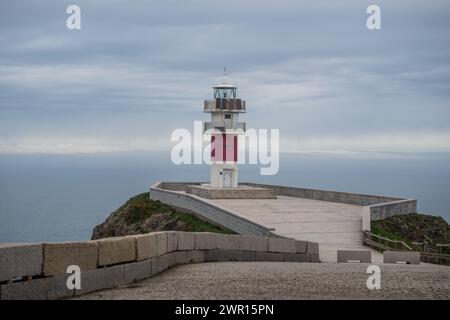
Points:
[(224, 175)]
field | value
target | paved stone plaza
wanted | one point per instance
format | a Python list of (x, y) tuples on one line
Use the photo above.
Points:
[(275, 280)]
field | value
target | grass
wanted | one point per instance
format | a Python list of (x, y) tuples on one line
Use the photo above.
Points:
[(413, 227), (389, 235), (141, 207), (198, 225)]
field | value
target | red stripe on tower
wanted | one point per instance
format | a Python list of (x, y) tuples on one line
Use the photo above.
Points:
[(213, 147), (235, 146), (224, 147)]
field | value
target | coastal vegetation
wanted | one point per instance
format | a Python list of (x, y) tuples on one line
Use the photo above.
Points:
[(413, 228), (140, 214)]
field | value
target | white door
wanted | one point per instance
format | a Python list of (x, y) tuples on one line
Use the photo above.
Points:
[(226, 178)]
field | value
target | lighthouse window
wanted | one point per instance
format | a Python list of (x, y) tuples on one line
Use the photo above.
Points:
[(228, 116), (225, 93)]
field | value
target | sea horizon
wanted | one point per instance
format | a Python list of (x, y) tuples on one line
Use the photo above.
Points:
[(61, 197)]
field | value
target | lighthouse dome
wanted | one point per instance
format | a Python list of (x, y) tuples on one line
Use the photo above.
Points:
[(226, 82)]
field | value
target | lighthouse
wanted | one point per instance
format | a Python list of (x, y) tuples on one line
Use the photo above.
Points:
[(224, 128)]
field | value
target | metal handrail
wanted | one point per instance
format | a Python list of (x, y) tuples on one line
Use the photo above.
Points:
[(385, 242), (374, 244), (437, 255)]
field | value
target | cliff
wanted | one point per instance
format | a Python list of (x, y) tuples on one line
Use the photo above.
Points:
[(142, 215)]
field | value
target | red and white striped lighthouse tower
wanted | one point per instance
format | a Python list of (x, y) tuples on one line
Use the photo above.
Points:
[(224, 128)]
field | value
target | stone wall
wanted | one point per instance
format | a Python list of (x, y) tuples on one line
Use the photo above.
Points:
[(389, 209), (241, 192), (37, 271), (374, 207), (326, 195), (206, 210), (177, 186), (385, 210)]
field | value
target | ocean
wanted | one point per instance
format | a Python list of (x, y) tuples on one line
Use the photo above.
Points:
[(62, 197)]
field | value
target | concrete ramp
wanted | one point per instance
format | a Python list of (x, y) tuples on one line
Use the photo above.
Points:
[(333, 225)]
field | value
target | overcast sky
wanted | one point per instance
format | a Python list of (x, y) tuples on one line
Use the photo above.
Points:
[(137, 70)]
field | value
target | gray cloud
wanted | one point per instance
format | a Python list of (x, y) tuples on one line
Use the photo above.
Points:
[(137, 70)]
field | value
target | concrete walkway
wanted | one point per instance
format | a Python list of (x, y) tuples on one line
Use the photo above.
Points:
[(286, 280), (333, 225)]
